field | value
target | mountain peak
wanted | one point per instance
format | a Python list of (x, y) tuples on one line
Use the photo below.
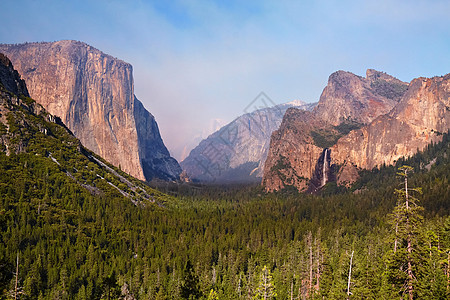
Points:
[(296, 103), (10, 78), (374, 75), (351, 97), (237, 151)]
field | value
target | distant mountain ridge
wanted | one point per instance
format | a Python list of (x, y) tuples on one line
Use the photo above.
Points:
[(93, 94), (237, 151)]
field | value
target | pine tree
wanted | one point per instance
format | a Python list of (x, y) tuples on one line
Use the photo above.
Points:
[(406, 220), (213, 295), (190, 286), (266, 288)]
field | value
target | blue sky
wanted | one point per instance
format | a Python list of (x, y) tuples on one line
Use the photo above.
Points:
[(199, 63)]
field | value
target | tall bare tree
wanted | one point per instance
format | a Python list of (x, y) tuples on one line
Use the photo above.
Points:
[(407, 220)]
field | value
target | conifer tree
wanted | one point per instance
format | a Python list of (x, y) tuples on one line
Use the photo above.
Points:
[(213, 295), (190, 287), (266, 288), (407, 220)]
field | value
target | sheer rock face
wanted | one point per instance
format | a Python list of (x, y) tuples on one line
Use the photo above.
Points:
[(419, 118), (351, 97), (155, 158), (237, 151), (93, 94), (292, 154)]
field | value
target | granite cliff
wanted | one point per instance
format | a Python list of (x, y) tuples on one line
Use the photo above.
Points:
[(351, 97), (421, 117), (348, 103), (237, 151), (293, 154), (93, 94)]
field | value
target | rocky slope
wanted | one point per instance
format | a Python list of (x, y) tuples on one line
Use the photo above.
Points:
[(37, 150), (10, 78), (293, 154), (347, 103), (237, 151), (93, 94)]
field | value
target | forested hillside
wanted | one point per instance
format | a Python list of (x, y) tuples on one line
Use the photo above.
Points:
[(74, 227), (222, 243)]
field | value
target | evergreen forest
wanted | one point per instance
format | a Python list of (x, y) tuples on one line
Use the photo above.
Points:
[(74, 227)]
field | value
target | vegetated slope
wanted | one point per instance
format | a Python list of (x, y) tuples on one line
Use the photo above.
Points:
[(220, 240), (93, 94), (232, 243), (236, 152), (47, 182)]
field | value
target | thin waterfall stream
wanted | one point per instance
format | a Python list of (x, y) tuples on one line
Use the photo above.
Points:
[(325, 168)]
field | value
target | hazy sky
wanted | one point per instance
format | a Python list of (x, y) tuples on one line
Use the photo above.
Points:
[(200, 63)]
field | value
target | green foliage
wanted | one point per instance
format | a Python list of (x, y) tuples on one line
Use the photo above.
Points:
[(387, 89), (190, 287), (346, 126), (266, 289), (324, 138), (70, 241), (281, 164), (78, 237)]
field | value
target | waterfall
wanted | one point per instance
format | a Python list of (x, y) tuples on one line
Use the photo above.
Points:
[(325, 167)]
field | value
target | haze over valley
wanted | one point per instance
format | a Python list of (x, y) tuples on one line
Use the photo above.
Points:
[(224, 150)]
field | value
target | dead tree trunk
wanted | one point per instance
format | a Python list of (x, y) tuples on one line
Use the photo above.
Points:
[(349, 276), (17, 277), (310, 264), (409, 238), (448, 270), (292, 288)]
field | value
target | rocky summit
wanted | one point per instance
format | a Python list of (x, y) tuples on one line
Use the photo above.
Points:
[(358, 123), (238, 150), (10, 78), (93, 94), (351, 97)]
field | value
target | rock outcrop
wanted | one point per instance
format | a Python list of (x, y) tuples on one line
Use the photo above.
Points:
[(351, 97), (293, 154), (93, 94), (10, 78), (420, 117), (15, 106), (237, 151), (347, 103)]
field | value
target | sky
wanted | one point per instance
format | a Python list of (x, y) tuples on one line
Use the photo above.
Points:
[(198, 64)]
